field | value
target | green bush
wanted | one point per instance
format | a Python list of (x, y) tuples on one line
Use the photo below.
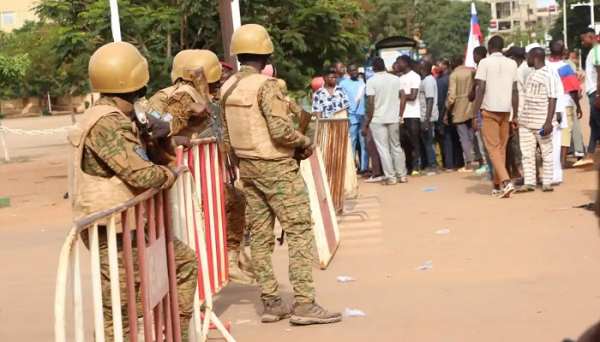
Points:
[(46, 112)]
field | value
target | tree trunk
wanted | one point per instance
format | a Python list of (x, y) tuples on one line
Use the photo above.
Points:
[(169, 43), (181, 25)]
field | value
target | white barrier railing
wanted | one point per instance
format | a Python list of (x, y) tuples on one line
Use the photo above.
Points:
[(150, 212)]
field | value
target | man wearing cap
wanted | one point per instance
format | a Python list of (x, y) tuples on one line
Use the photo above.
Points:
[(269, 170), (226, 72), (331, 97)]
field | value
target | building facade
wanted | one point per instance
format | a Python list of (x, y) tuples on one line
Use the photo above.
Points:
[(14, 13)]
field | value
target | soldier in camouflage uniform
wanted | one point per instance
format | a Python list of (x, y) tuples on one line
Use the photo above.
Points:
[(187, 118), (260, 133), (111, 167)]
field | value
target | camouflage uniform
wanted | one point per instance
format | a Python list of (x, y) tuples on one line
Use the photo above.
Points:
[(275, 188), (235, 204), (109, 150), (184, 121), (294, 108)]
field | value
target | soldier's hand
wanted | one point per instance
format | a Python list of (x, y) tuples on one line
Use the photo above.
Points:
[(182, 141), (199, 109), (303, 153), (170, 178), (158, 128)]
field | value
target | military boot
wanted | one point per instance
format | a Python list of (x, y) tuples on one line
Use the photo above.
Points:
[(245, 263), (313, 313), (275, 311), (236, 275)]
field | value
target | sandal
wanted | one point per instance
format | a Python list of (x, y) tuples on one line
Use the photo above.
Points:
[(525, 188)]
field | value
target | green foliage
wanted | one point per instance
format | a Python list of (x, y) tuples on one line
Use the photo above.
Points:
[(443, 24), (578, 19), (448, 35), (306, 33), (387, 18), (44, 71), (523, 37), (12, 70)]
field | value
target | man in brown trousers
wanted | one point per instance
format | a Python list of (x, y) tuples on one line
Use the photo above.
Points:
[(497, 92)]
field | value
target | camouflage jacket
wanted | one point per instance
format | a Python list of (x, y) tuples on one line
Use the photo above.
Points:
[(113, 148), (280, 127)]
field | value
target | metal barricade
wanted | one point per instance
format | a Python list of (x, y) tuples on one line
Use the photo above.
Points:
[(149, 213), (350, 177), (325, 225), (207, 168), (332, 138)]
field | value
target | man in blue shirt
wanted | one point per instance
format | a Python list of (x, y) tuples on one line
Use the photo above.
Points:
[(355, 89)]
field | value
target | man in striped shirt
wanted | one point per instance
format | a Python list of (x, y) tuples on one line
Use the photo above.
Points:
[(537, 121)]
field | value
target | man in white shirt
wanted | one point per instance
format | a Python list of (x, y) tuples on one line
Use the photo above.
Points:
[(383, 116), (538, 120), (410, 111), (592, 66), (497, 92)]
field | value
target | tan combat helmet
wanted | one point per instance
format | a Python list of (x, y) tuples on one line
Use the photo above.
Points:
[(118, 68), (251, 39), (178, 71), (205, 59)]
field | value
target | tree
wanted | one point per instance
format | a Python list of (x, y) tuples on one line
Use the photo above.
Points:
[(578, 19), (306, 33), (12, 68), (448, 37), (37, 41), (387, 18)]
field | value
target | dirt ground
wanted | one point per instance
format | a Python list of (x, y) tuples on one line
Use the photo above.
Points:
[(523, 269)]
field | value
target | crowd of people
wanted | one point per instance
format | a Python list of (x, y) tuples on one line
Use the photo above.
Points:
[(519, 105)]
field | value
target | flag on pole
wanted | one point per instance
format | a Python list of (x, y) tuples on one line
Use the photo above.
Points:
[(475, 38)]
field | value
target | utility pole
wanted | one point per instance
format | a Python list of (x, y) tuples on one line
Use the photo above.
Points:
[(407, 11), (229, 12), (564, 9), (591, 5)]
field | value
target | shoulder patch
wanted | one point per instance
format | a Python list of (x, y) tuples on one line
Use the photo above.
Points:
[(140, 152)]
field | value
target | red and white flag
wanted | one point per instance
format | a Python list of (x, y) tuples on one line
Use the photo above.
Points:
[(475, 38)]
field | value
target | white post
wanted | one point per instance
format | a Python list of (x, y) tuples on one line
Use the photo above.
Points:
[(592, 14), (114, 21), (236, 19), (4, 146), (49, 103), (565, 23)]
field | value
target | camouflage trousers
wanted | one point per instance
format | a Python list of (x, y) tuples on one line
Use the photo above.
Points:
[(281, 196), (186, 264), (235, 203)]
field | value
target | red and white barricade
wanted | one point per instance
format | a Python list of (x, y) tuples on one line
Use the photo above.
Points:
[(325, 225), (149, 214), (209, 232)]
